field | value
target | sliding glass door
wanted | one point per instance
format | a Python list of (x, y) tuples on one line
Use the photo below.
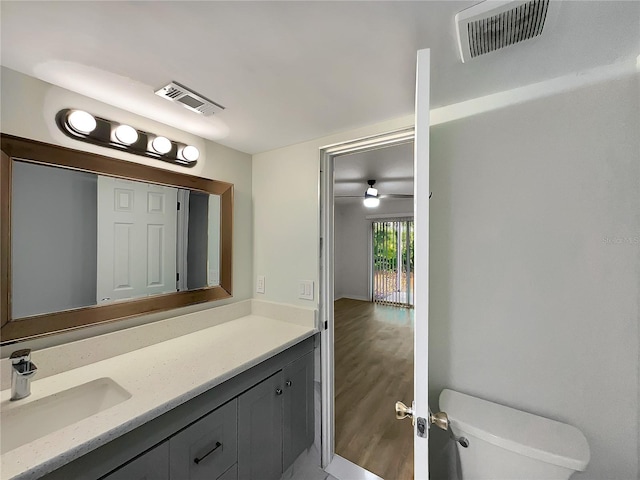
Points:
[(393, 262)]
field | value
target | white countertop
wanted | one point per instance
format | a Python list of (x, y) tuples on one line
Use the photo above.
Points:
[(159, 377)]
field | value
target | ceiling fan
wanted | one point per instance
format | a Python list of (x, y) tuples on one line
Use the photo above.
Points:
[(372, 197)]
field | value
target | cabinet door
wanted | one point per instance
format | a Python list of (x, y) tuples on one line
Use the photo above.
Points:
[(298, 408), (207, 448), (231, 474), (153, 465), (260, 430)]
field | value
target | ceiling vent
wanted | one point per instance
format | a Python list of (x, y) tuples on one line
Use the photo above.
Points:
[(189, 99), (492, 25)]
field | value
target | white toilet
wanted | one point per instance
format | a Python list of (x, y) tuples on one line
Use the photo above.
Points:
[(508, 444)]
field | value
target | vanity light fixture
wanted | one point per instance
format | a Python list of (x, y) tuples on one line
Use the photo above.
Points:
[(161, 145), (82, 121), (190, 153), (126, 134), (83, 126)]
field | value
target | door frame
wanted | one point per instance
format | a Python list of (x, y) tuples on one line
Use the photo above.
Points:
[(328, 155)]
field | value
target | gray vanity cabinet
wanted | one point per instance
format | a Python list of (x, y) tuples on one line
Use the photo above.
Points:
[(275, 421), (153, 465), (297, 432), (260, 431)]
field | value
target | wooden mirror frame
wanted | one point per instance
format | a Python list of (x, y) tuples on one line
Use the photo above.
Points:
[(12, 330)]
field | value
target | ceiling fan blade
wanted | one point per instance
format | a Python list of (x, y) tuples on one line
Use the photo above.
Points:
[(384, 195)]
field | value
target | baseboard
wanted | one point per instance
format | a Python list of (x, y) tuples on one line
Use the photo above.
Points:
[(354, 297)]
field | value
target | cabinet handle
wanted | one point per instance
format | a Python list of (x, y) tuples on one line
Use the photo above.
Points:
[(288, 383), (278, 391), (198, 460)]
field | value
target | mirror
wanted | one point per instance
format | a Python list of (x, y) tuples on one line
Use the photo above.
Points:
[(105, 240)]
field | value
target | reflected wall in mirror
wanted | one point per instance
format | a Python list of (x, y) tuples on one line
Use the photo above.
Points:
[(88, 239)]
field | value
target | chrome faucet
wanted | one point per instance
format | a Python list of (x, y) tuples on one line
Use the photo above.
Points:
[(22, 369)]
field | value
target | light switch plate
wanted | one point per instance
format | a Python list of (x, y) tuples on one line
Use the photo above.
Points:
[(305, 289), (260, 284)]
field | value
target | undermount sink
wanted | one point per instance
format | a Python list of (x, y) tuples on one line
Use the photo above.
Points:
[(24, 423)]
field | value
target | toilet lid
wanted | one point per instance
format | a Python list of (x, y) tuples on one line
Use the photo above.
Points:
[(521, 432)]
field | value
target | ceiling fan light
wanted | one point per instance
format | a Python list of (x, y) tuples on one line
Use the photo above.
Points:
[(373, 192), (371, 202)]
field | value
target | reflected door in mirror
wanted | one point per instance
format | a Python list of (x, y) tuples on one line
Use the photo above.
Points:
[(136, 239)]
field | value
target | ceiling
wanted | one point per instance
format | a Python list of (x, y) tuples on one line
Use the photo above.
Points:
[(391, 167), (291, 71)]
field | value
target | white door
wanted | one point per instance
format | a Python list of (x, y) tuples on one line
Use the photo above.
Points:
[(421, 265), (137, 230)]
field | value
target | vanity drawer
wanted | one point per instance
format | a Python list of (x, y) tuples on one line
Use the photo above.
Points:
[(207, 448), (153, 464)]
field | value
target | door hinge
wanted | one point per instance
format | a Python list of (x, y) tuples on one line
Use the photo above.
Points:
[(326, 325), (178, 205), (177, 277)]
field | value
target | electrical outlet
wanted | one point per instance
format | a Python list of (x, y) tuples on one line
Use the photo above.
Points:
[(260, 284)]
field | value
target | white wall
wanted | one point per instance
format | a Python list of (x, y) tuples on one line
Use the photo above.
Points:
[(28, 110), (353, 243), (535, 275), (535, 251), (286, 212)]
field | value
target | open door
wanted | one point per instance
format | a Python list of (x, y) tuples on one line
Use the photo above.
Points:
[(421, 267), (419, 411)]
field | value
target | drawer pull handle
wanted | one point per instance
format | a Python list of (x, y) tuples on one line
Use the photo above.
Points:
[(289, 383), (198, 460), (278, 391)]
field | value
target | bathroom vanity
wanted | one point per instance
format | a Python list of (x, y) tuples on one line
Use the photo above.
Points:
[(252, 427), (234, 400)]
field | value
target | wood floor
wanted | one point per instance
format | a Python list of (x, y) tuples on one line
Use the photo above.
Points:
[(374, 369)]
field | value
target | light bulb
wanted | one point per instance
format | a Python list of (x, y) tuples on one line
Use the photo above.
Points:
[(126, 134), (371, 202), (82, 121), (161, 145), (190, 153), (372, 191)]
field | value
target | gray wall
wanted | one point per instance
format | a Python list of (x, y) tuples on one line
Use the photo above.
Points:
[(535, 246), (198, 240), (54, 239), (352, 243)]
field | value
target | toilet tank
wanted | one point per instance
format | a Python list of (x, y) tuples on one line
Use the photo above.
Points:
[(505, 443)]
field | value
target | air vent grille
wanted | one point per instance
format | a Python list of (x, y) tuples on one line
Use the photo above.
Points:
[(173, 92), (491, 25), (189, 99)]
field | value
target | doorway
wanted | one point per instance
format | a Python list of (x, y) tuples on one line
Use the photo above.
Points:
[(372, 326), (419, 410)]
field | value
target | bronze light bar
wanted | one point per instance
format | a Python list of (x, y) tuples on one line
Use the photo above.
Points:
[(83, 126)]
